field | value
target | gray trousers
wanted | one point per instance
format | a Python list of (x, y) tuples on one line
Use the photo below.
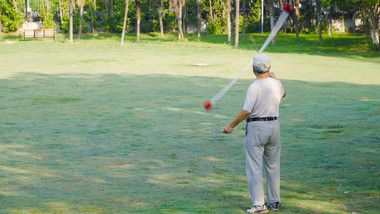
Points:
[(262, 144)]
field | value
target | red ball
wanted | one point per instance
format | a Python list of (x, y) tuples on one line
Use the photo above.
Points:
[(207, 105), (287, 7)]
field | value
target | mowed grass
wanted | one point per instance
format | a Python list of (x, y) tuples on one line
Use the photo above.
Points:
[(92, 127)]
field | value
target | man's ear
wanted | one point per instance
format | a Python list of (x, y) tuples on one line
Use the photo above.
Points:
[(253, 70)]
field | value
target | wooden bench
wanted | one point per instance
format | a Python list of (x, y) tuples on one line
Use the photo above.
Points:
[(39, 33)]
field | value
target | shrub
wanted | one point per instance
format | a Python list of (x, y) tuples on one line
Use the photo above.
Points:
[(65, 25), (10, 18), (114, 23), (48, 18)]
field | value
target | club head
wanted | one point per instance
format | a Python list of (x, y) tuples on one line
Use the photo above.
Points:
[(287, 7), (208, 106)]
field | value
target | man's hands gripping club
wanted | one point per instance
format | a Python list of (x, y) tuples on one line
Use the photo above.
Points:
[(244, 114), (241, 116)]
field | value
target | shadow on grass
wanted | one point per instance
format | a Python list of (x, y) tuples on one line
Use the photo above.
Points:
[(79, 143)]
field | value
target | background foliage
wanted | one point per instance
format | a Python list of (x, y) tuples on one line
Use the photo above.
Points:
[(107, 15)]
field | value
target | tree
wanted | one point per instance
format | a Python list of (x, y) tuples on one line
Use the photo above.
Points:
[(297, 16), (11, 19), (372, 10), (160, 5), (81, 4), (211, 13), (1, 24), (60, 10), (184, 17), (271, 14), (111, 6), (244, 19), (138, 14), (199, 17), (318, 5), (71, 11), (237, 23), (125, 22), (177, 5), (228, 5), (15, 5), (91, 15), (331, 10)]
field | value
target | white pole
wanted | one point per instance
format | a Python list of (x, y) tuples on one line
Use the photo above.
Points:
[(262, 16)]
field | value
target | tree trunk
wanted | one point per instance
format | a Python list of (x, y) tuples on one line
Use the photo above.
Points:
[(80, 21), (199, 17), (375, 34), (106, 7), (211, 14), (160, 5), (184, 9), (15, 5), (1, 24), (297, 14), (177, 6), (71, 9), (138, 13), (271, 14), (237, 23), (243, 19), (60, 10), (354, 21), (180, 30), (330, 19), (47, 6), (318, 4), (111, 6), (92, 18), (125, 22), (228, 5), (374, 14)]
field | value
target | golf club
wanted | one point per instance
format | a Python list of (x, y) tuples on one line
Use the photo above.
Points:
[(287, 8), (205, 132)]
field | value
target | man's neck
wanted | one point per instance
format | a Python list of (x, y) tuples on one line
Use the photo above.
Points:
[(262, 76)]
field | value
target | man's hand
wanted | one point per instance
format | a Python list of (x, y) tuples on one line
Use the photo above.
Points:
[(241, 116), (228, 129)]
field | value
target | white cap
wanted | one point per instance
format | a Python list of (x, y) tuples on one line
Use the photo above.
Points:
[(261, 63)]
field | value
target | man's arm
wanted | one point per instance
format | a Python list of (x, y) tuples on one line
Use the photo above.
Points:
[(241, 116), (271, 74)]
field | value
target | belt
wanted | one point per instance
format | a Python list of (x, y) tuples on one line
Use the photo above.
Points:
[(261, 119)]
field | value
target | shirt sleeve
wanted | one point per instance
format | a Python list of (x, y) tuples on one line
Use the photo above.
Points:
[(250, 98), (282, 89)]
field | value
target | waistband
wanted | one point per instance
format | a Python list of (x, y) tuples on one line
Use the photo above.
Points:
[(261, 119)]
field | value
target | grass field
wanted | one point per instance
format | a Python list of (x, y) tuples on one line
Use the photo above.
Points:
[(92, 127)]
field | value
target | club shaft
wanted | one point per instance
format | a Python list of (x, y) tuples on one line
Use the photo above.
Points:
[(221, 93), (284, 15)]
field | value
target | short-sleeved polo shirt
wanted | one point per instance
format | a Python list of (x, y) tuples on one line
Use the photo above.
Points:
[(263, 98)]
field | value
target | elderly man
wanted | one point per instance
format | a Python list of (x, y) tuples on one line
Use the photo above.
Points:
[(262, 141)]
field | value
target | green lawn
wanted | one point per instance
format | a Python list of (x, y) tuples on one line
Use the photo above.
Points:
[(92, 127)]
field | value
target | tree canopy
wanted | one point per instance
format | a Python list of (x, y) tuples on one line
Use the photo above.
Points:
[(182, 15)]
